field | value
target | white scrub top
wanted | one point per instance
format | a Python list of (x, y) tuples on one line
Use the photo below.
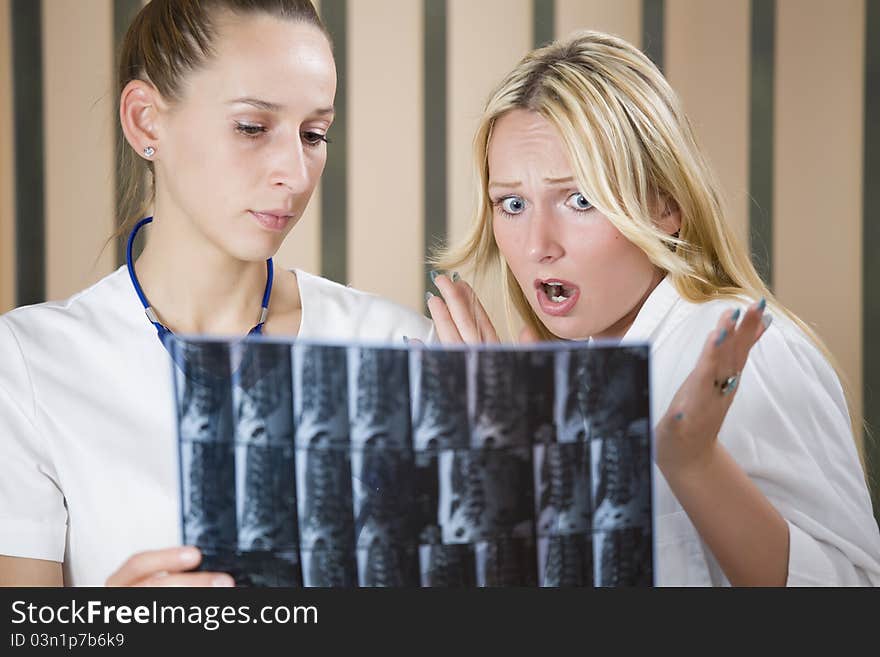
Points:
[(788, 428), (88, 437)]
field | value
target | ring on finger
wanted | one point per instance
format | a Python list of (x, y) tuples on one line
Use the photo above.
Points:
[(728, 384)]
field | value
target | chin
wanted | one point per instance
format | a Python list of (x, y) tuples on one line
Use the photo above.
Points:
[(253, 251), (564, 328)]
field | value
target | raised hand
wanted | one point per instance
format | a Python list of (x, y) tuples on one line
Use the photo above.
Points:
[(688, 431), (459, 316)]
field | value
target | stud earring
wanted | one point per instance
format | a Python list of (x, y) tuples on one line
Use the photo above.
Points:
[(149, 151)]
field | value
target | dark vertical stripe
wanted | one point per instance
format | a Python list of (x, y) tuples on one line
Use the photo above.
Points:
[(124, 12), (334, 185), (652, 30), (543, 22), (871, 248), (435, 26), (27, 80), (763, 40)]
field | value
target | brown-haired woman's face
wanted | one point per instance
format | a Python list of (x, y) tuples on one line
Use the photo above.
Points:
[(241, 152), (580, 275)]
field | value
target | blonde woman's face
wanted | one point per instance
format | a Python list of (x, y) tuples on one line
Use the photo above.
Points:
[(242, 152), (582, 277)]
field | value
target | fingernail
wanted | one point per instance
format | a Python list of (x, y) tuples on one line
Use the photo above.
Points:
[(762, 304), (189, 555), (428, 296), (455, 277), (735, 315), (223, 580), (434, 274), (721, 337), (767, 320)]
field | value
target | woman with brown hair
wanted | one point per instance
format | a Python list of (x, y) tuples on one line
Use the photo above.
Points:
[(225, 106)]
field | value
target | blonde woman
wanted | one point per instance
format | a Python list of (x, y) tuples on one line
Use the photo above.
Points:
[(599, 208)]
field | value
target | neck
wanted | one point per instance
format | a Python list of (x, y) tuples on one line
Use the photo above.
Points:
[(193, 285)]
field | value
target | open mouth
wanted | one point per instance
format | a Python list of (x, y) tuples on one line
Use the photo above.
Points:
[(557, 292), (555, 296)]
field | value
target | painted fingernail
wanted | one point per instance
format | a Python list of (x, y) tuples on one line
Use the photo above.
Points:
[(721, 337), (189, 555), (223, 580), (428, 296), (455, 277), (735, 315), (767, 320), (762, 304), (434, 274)]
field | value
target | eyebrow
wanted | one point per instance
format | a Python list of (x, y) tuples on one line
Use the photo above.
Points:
[(550, 181), (273, 107)]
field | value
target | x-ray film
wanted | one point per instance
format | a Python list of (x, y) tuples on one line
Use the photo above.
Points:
[(356, 465)]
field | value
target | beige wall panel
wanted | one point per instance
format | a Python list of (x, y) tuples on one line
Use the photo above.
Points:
[(385, 149), (79, 116), (7, 177), (817, 206), (707, 48), (485, 40), (622, 18)]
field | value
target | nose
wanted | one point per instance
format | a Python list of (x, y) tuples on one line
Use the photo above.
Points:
[(290, 168), (542, 240)]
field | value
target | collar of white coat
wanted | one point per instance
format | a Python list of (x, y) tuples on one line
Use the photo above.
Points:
[(656, 308)]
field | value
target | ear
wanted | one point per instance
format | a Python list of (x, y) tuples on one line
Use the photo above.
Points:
[(670, 217), (139, 109)]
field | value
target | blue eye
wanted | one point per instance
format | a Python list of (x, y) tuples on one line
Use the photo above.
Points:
[(512, 204), (579, 202)]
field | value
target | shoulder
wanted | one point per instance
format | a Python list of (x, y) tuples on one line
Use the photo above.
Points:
[(335, 311), (93, 303), (55, 329)]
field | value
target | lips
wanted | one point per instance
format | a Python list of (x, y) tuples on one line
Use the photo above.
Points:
[(556, 296), (274, 220)]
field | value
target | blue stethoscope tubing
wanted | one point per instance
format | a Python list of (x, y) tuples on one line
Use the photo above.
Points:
[(161, 329)]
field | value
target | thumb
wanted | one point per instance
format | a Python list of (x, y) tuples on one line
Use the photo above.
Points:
[(528, 335)]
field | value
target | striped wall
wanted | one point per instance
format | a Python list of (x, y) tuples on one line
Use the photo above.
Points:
[(7, 149), (777, 91)]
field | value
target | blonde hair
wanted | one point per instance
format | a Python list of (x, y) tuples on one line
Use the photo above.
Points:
[(633, 151)]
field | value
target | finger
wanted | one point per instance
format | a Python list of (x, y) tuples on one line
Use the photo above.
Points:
[(460, 309), (713, 349), (484, 324), (528, 335), (147, 564), (749, 330), (447, 331), (188, 579)]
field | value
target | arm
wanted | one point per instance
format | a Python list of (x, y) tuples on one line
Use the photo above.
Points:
[(747, 535), (18, 571), (744, 531), (779, 498)]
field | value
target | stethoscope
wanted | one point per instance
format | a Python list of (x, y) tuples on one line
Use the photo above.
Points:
[(163, 330)]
